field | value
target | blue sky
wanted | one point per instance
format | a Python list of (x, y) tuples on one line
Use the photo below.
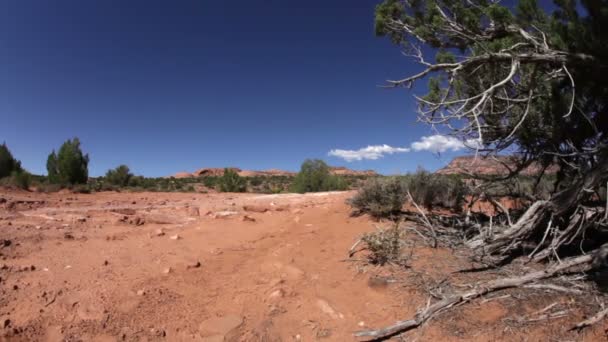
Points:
[(167, 86)]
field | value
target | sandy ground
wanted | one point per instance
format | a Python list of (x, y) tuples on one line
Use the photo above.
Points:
[(223, 267)]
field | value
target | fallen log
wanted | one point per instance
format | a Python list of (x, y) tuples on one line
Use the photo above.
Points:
[(427, 313)]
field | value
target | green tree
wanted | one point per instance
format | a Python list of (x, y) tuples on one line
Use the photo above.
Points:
[(230, 181), (120, 176), (315, 176), (521, 80), (8, 164), (69, 165)]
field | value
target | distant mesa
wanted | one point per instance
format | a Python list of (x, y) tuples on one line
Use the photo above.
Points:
[(489, 166), (343, 171), (215, 172)]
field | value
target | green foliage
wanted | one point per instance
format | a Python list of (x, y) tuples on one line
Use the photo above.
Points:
[(120, 176), (434, 190), (314, 176), (8, 164), (381, 197), (69, 166), (385, 196), (232, 182)]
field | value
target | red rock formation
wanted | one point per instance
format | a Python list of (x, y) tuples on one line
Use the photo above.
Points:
[(343, 171), (488, 166)]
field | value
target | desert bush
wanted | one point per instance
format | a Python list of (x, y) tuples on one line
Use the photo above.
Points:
[(120, 176), (381, 197), (69, 166), (435, 190), (18, 179), (385, 245), (314, 176), (8, 164), (231, 182), (81, 189)]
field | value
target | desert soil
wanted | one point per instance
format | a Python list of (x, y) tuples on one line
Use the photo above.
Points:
[(229, 267)]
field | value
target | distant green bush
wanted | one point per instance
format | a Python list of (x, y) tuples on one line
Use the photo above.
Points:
[(69, 166), (120, 176), (231, 182), (381, 197), (314, 176)]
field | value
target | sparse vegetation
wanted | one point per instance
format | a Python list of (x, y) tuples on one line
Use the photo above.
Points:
[(231, 182), (120, 176), (314, 176), (385, 196), (385, 245), (381, 197)]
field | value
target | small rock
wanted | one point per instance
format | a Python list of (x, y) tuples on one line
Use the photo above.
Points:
[(248, 219), (298, 337), (141, 292), (175, 237), (7, 323), (361, 324), (159, 232), (6, 243), (255, 208), (68, 236), (224, 214), (193, 264), (68, 267), (15, 287), (167, 270), (106, 263), (277, 294)]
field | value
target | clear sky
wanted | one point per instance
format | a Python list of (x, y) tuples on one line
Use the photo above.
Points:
[(167, 86)]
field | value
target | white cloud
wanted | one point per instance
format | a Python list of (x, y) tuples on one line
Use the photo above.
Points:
[(441, 143), (434, 143), (369, 152)]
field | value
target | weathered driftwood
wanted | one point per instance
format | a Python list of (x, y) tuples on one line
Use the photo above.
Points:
[(499, 284)]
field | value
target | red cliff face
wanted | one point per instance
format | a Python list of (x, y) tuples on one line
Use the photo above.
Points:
[(489, 166)]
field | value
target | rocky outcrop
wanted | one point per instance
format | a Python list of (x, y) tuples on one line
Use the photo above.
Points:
[(214, 172), (343, 171), (489, 166)]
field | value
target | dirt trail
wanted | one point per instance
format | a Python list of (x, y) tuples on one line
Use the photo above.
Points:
[(197, 267)]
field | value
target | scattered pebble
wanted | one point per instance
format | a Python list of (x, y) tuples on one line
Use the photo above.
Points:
[(175, 237), (361, 324), (248, 218), (141, 293), (193, 264), (167, 270)]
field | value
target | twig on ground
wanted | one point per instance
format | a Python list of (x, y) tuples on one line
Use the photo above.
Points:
[(592, 320)]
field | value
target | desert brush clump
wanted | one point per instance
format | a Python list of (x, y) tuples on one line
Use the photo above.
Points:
[(120, 176), (381, 197), (315, 176), (434, 190), (385, 245), (385, 196), (231, 182)]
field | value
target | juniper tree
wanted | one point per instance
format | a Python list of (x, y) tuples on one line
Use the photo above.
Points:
[(8, 164), (69, 165)]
